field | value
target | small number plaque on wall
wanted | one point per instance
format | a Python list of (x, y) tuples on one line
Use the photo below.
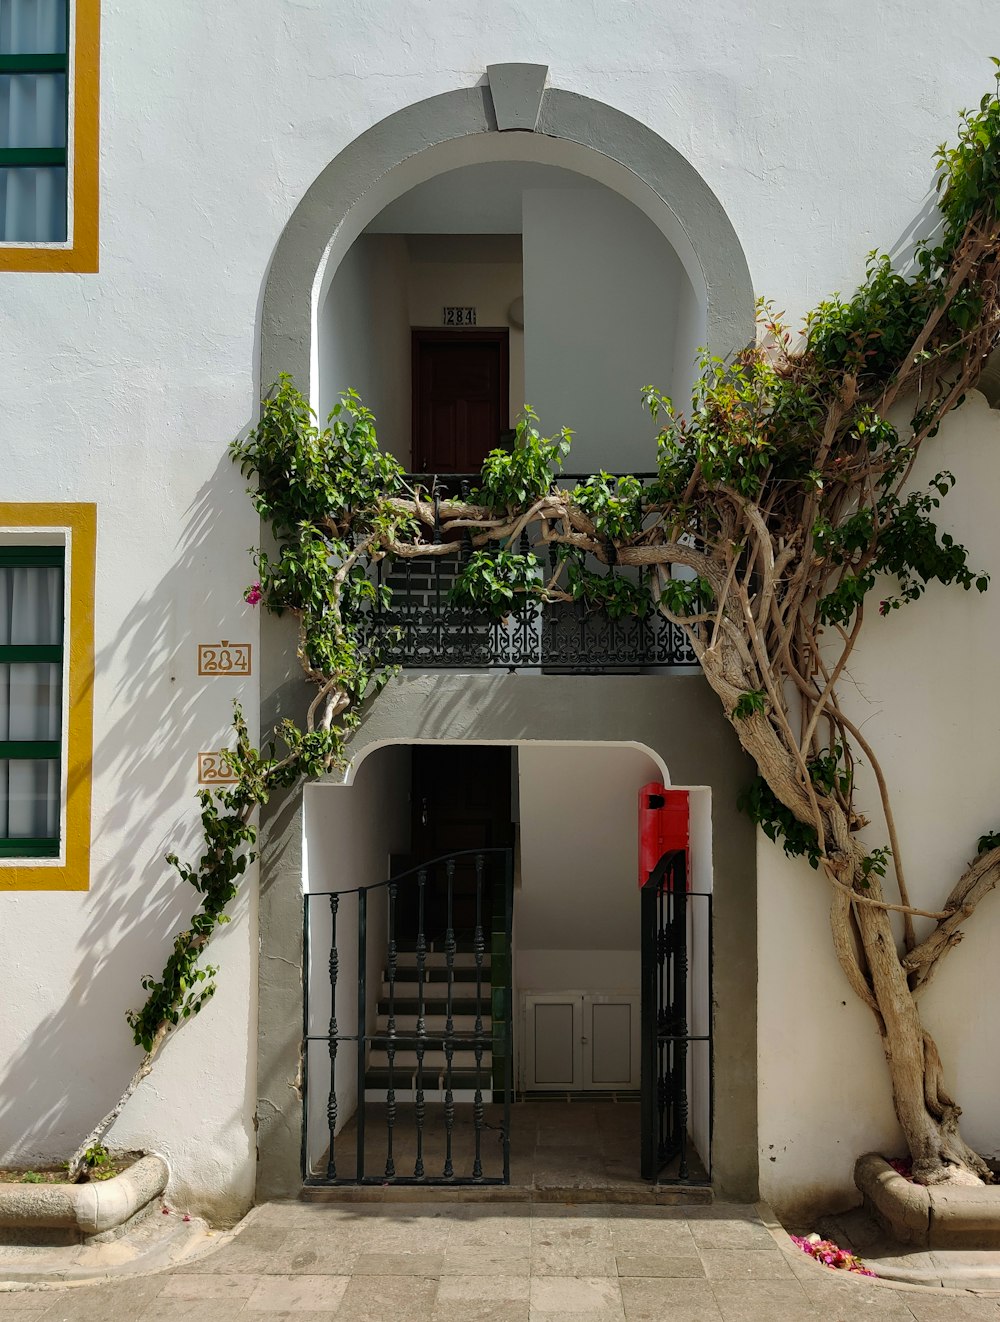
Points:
[(224, 658), (213, 769), (458, 317)]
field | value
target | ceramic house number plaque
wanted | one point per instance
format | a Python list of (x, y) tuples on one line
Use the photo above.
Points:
[(214, 770), (458, 316), (224, 658)]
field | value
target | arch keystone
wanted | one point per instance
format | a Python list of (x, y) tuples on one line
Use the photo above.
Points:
[(517, 91)]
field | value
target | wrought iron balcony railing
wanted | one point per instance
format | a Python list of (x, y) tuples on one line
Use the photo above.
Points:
[(425, 629)]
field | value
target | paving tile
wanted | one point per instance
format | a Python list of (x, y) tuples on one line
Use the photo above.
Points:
[(714, 1211), (658, 1264), (656, 1300), (209, 1287), (727, 1233), (418, 1236), (187, 1310), (926, 1308), (597, 1297), (764, 1301), (571, 1259), (249, 1252), (388, 1299), (745, 1265), (465, 1261), (398, 1264), (481, 1289), (491, 1230), (479, 1310), (317, 1254), (291, 1214), (841, 1299), (583, 1231), (297, 1294), (663, 1237), (307, 1316), (118, 1301)]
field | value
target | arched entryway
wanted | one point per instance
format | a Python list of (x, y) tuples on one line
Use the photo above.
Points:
[(483, 972), (511, 116)]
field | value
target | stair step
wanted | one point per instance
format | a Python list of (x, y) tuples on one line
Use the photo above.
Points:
[(435, 945), (433, 973), (406, 1024), (411, 1005), (437, 959), (434, 1061), (437, 991), (462, 1041), (377, 1079)]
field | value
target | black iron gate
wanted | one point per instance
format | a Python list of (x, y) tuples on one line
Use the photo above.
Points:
[(411, 1080), (671, 916)]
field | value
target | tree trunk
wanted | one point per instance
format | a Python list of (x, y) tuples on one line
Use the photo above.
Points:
[(927, 1114)]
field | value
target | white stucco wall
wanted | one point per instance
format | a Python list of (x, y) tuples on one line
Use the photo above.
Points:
[(576, 912), (604, 295), (124, 388), (365, 336), (350, 833), (922, 684)]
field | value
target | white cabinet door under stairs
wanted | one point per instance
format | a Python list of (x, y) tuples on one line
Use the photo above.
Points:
[(579, 1041)]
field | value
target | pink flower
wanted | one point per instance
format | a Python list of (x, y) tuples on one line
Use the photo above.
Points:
[(830, 1254), (253, 594)]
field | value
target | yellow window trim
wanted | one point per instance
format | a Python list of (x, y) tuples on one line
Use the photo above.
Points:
[(81, 254), (74, 873)]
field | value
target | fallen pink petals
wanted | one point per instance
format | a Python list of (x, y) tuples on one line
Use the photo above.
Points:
[(831, 1255)]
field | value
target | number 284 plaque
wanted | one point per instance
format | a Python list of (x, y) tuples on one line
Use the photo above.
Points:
[(224, 658)]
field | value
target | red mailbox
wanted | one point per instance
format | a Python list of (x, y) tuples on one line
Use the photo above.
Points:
[(664, 824)]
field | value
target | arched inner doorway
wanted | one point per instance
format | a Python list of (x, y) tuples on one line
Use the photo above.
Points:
[(502, 283), (428, 1062)]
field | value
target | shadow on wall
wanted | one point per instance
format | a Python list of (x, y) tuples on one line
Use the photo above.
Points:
[(76, 1062)]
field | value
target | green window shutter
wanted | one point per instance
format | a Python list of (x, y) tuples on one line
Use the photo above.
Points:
[(31, 695), (34, 155)]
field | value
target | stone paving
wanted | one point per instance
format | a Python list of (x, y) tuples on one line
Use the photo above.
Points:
[(516, 1262)]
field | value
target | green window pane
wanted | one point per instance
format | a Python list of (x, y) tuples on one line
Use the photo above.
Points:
[(29, 799), (33, 204), (30, 702), (29, 27), (31, 605), (32, 110)]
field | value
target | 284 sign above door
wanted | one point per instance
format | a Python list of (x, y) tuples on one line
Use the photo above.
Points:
[(458, 317)]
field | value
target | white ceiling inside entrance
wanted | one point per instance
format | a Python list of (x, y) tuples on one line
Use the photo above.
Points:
[(475, 199)]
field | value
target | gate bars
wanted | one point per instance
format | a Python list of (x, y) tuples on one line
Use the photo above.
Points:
[(426, 893), (668, 914)]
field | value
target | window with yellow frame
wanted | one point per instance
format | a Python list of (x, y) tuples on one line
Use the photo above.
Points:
[(46, 695), (49, 110)]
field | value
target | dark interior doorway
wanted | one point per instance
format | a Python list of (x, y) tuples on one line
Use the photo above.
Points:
[(461, 800), (460, 398)]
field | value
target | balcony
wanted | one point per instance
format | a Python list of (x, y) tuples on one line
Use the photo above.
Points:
[(424, 629)]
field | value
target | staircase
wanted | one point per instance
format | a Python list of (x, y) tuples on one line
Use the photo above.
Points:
[(464, 1008)]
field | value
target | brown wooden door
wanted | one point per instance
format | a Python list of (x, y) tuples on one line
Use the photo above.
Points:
[(460, 398)]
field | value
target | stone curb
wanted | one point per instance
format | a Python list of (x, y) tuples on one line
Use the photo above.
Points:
[(92, 1208), (935, 1217)]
